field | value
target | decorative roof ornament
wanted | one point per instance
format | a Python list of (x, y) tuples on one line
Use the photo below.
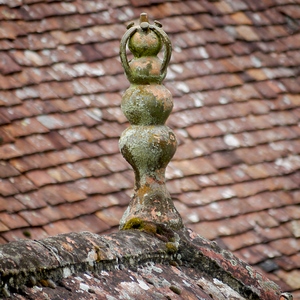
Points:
[(148, 144)]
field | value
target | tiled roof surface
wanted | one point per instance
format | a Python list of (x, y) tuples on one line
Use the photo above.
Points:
[(234, 76)]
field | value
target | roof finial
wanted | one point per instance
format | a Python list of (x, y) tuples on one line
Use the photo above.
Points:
[(148, 145)]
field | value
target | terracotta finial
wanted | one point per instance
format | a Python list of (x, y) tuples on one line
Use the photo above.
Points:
[(148, 145)]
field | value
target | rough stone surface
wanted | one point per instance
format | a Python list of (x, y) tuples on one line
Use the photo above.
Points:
[(139, 264)]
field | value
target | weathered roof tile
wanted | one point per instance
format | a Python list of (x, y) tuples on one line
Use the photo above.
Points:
[(31, 200), (7, 170), (3, 227), (7, 188), (40, 178), (10, 204), (13, 221), (23, 184), (111, 216)]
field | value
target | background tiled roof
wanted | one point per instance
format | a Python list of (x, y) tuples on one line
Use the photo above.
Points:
[(234, 76)]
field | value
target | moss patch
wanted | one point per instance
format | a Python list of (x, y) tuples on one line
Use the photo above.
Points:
[(160, 230)]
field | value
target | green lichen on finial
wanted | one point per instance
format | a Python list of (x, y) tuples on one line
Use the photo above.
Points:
[(148, 144)]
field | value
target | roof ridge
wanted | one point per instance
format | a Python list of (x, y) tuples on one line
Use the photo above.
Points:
[(48, 261)]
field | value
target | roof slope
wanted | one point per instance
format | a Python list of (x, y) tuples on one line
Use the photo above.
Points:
[(234, 77)]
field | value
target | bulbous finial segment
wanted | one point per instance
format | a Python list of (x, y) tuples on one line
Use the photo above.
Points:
[(148, 145), (145, 41)]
